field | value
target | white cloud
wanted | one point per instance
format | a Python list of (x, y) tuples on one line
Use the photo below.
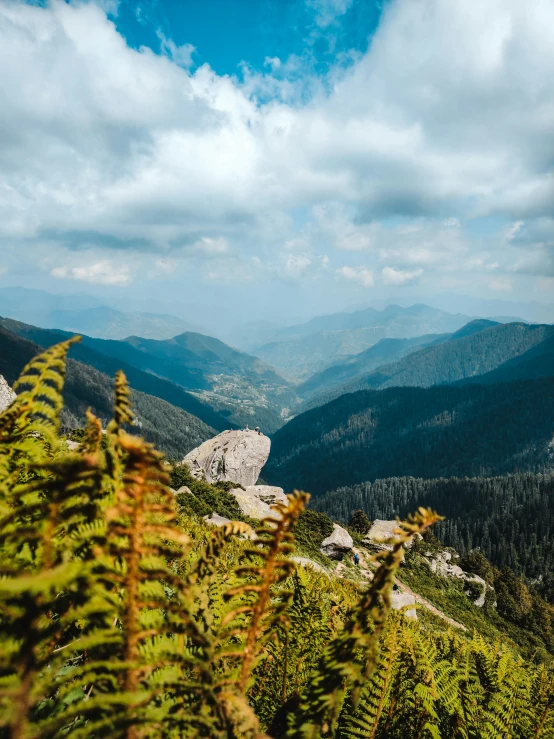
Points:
[(501, 284), (211, 247), (100, 273), (447, 116), (362, 275), (295, 266), (392, 276)]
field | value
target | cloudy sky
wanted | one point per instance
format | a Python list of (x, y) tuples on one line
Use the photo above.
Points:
[(296, 155)]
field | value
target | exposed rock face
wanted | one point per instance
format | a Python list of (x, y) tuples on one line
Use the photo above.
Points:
[(6, 394), (216, 520), (235, 456), (307, 562), (399, 599), (380, 531), (255, 501), (337, 544), (441, 564)]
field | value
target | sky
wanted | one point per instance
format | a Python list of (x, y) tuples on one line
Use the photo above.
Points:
[(280, 157)]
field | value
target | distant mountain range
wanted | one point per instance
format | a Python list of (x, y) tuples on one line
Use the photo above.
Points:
[(480, 347), (300, 351), (171, 428), (85, 314), (225, 387)]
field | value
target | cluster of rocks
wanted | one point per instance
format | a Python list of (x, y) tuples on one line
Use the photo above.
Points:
[(238, 456), (7, 395), (441, 563)]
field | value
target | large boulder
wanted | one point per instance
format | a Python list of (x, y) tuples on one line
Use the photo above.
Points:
[(7, 395), (234, 456), (255, 501), (380, 532), (399, 599), (337, 544)]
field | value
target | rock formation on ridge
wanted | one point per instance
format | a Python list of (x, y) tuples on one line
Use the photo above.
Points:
[(235, 456)]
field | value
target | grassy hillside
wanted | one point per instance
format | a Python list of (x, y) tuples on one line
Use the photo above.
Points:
[(172, 429), (433, 432)]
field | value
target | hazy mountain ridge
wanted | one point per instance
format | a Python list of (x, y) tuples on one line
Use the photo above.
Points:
[(300, 351), (381, 353), (86, 314)]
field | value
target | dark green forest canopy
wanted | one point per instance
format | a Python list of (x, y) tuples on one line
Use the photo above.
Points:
[(449, 430)]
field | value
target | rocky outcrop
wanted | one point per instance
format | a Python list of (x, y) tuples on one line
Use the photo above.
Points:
[(235, 456), (337, 544), (400, 599), (7, 395), (307, 562), (441, 564), (255, 501), (380, 532), (216, 520)]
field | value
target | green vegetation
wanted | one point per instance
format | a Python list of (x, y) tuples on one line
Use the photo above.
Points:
[(473, 430), (519, 617), (120, 617), (359, 523), (204, 498)]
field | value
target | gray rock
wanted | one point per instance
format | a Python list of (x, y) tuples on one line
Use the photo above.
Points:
[(216, 520), (441, 564), (7, 395), (235, 456), (255, 501), (379, 532), (72, 445), (337, 544), (307, 562), (183, 489), (400, 600)]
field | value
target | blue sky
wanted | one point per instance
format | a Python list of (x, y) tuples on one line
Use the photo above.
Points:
[(226, 34), (296, 155)]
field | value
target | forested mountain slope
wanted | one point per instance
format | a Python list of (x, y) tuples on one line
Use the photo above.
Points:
[(423, 432), (233, 388), (171, 429), (510, 518), (478, 348), (383, 352), (299, 351)]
